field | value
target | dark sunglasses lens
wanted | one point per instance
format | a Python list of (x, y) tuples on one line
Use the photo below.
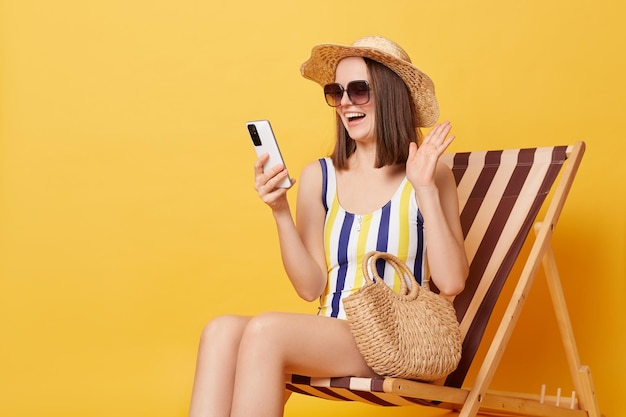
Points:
[(333, 93), (359, 92)]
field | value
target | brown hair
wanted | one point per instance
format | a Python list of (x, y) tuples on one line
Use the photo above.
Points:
[(395, 120)]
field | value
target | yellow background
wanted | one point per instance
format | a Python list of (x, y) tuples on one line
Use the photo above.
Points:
[(128, 216)]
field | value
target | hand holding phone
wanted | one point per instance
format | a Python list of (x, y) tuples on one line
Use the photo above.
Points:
[(264, 141)]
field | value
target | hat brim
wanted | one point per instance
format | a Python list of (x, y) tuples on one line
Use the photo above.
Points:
[(321, 66)]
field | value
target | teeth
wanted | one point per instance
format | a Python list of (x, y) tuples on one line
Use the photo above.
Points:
[(353, 115)]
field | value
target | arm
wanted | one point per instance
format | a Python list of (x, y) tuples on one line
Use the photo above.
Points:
[(437, 199), (302, 247)]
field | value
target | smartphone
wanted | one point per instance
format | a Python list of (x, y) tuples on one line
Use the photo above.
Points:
[(264, 141)]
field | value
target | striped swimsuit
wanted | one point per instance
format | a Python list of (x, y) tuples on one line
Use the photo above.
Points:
[(396, 228)]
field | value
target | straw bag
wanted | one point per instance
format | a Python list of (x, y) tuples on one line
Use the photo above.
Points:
[(413, 336)]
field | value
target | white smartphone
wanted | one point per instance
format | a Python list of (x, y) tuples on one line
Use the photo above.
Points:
[(264, 141)]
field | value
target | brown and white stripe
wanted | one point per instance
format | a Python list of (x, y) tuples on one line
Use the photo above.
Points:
[(500, 195)]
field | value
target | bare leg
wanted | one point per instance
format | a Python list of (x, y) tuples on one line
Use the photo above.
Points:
[(215, 369), (275, 344)]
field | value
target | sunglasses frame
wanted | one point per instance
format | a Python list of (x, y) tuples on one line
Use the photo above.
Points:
[(347, 91)]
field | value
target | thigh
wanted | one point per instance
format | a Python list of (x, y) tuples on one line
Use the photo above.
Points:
[(312, 345)]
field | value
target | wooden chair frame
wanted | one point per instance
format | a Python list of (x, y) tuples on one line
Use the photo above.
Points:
[(478, 398)]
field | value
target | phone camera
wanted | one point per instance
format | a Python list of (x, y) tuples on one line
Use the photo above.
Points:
[(254, 134)]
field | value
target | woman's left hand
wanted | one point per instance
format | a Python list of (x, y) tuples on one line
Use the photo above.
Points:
[(421, 164)]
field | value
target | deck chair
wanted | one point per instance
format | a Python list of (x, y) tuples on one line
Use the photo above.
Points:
[(501, 194)]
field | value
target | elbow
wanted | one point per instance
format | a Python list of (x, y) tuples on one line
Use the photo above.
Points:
[(454, 286), (452, 289), (308, 295), (310, 287)]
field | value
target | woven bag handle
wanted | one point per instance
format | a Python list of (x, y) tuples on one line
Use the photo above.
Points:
[(400, 267)]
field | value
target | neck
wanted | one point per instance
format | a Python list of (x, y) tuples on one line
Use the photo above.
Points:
[(364, 156)]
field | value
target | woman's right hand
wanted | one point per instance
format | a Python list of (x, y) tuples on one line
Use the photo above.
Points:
[(266, 183)]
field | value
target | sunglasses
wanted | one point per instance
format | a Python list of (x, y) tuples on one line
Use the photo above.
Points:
[(358, 93)]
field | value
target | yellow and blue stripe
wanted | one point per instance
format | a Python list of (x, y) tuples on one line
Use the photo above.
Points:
[(397, 228)]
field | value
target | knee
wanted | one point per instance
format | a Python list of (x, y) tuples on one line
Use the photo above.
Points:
[(263, 330), (223, 330)]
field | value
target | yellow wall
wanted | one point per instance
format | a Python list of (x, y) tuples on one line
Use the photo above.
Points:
[(128, 216)]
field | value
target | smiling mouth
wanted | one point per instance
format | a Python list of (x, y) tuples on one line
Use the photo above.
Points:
[(352, 117)]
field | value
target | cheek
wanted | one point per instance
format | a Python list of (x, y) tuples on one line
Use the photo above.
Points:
[(344, 122), (371, 113), (370, 108)]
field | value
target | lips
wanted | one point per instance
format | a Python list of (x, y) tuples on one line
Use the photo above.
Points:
[(354, 117)]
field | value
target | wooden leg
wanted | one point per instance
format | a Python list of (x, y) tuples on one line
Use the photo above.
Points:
[(588, 393), (581, 375)]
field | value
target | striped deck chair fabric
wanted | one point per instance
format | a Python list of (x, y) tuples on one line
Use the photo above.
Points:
[(500, 194)]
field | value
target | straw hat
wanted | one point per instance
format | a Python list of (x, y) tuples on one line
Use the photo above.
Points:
[(321, 66)]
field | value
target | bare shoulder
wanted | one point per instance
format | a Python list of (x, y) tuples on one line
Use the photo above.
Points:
[(311, 170), (310, 210), (311, 176), (310, 182)]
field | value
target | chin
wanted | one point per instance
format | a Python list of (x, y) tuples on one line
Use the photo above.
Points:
[(361, 136)]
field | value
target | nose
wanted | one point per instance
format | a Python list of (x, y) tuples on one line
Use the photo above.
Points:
[(345, 99)]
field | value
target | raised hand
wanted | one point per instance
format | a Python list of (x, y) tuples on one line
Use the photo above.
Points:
[(422, 161)]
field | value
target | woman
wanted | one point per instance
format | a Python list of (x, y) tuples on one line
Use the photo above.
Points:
[(378, 191)]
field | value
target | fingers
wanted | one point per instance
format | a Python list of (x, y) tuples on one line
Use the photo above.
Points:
[(412, 150), (447, 143), (262, 176), (267, 181), (274, 198), (422, 160), (270, 193), (271, 178), (438, 132), (438, 137), (276, 175), (258, 164)]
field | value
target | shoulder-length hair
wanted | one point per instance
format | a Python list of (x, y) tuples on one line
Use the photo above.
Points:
[(395, 117)]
